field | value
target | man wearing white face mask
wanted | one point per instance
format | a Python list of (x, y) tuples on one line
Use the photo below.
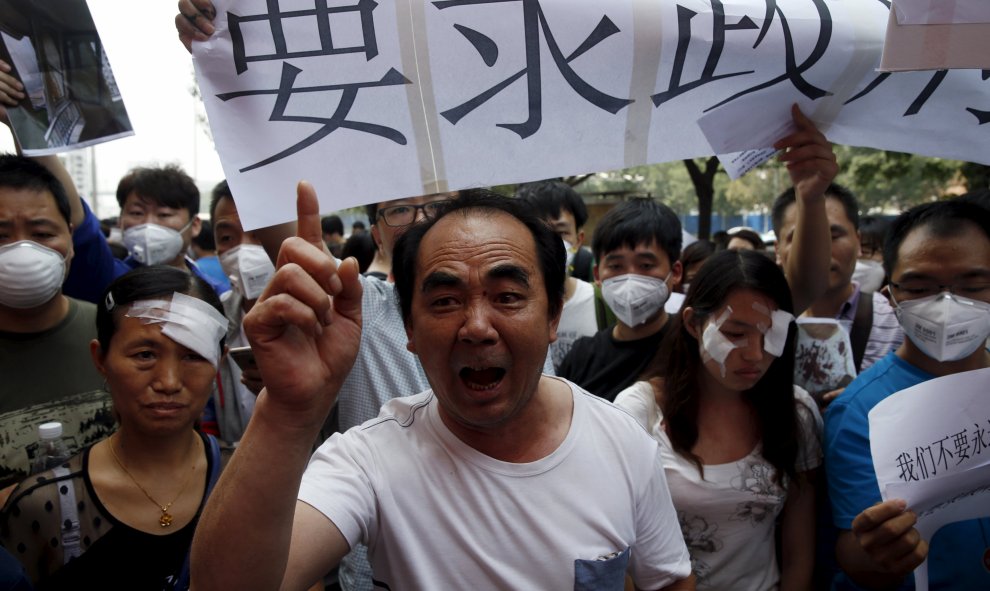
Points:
[(937, 256), (159, 216), (44, 336), (249, 268), (637, 245)]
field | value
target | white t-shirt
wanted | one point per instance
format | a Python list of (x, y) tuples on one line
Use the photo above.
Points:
[(728, 517), (577, 319), (437, 514)]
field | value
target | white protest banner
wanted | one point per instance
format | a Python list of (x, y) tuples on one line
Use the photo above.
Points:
[(378, 100), (931, 447)]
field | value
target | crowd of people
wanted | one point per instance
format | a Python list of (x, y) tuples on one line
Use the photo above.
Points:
[(465, 395)]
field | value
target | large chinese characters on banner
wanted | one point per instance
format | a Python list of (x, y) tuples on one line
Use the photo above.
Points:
[(374, 100)]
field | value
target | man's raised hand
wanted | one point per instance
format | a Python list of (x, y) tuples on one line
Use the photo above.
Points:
[(808, 156), (305, 328), (194, 21)]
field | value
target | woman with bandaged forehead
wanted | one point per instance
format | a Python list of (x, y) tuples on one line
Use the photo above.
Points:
[(121, 514), (739, 442)]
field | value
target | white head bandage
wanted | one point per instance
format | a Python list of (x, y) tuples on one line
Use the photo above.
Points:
[(775, 335), (189, 321), (715, 345)]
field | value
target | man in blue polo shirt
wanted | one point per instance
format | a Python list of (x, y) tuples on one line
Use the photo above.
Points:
[(937, 256)]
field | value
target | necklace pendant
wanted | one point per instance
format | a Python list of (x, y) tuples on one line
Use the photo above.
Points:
[(165, 520)]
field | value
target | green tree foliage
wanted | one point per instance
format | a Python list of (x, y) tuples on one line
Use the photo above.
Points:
[(882, 180), (886, 181), (977, 176)]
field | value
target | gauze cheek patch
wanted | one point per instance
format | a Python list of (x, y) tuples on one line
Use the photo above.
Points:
[(775, 335), (189, 321), (715, 345)]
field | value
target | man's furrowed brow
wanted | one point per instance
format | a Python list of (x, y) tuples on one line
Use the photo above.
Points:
[(439, 279), (511, 272)]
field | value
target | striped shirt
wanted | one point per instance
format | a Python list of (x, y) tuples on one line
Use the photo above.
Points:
[(885, 334)]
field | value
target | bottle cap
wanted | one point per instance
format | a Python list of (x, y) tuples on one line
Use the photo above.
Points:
[(50, 430)]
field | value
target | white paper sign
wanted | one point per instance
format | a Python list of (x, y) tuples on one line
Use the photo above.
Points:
[(956, 497), (931, 447), (744, 131), (378, 100)]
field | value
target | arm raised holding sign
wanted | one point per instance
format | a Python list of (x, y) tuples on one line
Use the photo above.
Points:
[(194, 21), (812, 166), (304, 330)]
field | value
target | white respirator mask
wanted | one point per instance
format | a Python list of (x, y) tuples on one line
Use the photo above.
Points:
[(945, 327), (31, 274), (249, 269), (635, 298), (152, 244)]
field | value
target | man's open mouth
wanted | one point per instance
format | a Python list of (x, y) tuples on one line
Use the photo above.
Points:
[(483, 378)]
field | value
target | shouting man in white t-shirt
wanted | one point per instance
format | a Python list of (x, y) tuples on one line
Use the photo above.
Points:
[(477, 481)]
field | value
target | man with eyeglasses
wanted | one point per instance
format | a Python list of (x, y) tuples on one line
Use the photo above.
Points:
[(389, 219), (937, 256)]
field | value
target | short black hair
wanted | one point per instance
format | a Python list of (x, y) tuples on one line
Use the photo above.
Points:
[(144, 283), (548, 198), (358, 225), (165, 185), (549, 248), (941, 218), (836, 191), (638, 221), (749, 236), (697, 252), (205, 239), (873, 230), (980, 197), (18, 172), (221, 190), (362, 247), (721, 240), (332, 224)]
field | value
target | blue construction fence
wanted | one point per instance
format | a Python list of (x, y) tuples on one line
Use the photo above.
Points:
[(761, 222)]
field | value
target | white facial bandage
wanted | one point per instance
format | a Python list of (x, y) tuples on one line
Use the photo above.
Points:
[(715, 345), (189, 321), (775, 335)]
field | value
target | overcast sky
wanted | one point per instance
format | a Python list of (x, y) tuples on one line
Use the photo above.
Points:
[(154, 73)]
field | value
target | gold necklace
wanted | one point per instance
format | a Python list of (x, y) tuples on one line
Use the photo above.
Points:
[(166, 518)]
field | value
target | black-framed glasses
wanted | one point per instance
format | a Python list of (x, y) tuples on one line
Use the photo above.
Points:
[(397, 216), (920, 288)]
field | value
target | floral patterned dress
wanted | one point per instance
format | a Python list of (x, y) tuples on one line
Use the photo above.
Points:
[(728, 516)]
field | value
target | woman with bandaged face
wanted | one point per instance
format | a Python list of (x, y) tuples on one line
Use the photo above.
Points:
[(121, 514), (738, 440)]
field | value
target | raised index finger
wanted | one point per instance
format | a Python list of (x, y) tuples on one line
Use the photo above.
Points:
[(308, 215)]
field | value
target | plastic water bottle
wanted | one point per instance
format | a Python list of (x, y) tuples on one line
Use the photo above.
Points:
[(52, 451)]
